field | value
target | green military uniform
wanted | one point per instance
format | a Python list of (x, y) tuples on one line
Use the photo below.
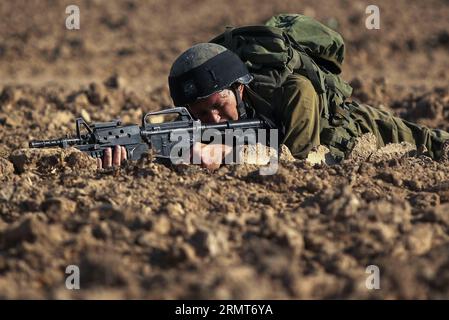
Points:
[(290, 69), (297, 107)]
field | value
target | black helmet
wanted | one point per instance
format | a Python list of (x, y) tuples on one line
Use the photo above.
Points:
[(203, 70)]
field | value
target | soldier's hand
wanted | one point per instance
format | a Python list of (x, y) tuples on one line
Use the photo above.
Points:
[(112, 157), (211, 155)]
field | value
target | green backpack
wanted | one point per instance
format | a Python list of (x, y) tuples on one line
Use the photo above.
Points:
[(293, 43)]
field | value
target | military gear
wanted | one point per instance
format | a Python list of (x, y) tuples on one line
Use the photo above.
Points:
[(296, 61), (323, 44), (290, 44), (298, 105), (203, 70)]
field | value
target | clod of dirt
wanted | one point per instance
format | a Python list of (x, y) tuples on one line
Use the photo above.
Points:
[(258, 154), (436, 214), (6, 167), (320, 155), (285, 154), (419, 240), (364, 147), (9, 95), (342, 204), (174, 209), (97, 94), (78, 160), (207, 243), (394, 151), (161, 225), (391, 177), (47, 161), (114, 82)]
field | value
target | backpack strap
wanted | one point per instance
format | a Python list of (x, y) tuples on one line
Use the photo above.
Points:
[(240, 104), (311, 72)]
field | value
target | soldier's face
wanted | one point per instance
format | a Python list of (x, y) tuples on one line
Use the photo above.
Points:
[(219, 107)]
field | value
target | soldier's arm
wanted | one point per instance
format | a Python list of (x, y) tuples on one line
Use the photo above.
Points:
[(299, 109)]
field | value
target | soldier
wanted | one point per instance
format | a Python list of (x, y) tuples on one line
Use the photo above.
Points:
[(216, 86), (297, 107)]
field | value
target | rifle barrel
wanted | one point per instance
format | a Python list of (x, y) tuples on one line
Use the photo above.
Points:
[(54, 143)]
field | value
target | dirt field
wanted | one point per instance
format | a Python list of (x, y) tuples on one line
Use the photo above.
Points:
[(152, 231)]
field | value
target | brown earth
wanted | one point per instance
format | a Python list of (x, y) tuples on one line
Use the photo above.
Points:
[(153, 231)]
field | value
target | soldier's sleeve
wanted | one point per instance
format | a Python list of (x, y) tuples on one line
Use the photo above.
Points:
[(299, 110)]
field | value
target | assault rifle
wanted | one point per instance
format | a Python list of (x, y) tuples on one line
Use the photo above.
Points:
[(136, 139)]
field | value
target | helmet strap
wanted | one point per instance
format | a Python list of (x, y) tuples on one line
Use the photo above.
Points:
[(240, 104)]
